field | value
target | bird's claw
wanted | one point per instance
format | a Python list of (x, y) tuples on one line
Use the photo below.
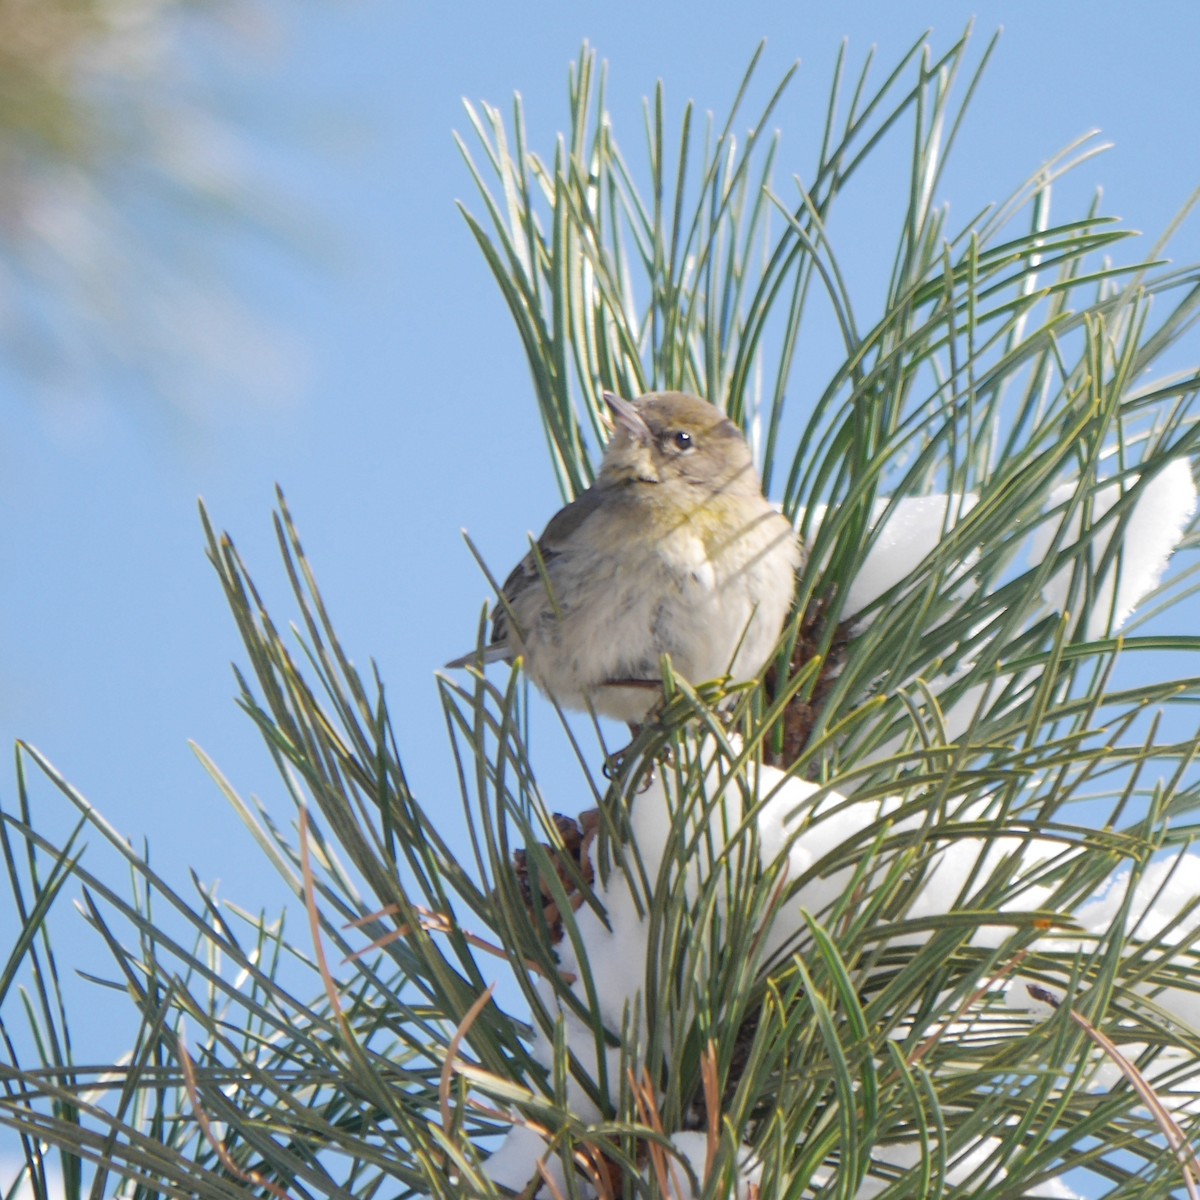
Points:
[(614, 766)]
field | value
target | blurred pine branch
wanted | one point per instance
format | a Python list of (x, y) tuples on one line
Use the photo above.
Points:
[(127, 177)]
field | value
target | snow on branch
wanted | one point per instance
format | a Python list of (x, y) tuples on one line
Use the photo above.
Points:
[(797, 827)]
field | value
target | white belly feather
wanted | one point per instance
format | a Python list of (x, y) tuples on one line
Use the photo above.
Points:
[(612, 616)]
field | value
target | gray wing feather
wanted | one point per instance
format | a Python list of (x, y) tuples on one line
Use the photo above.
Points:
[(558, 533), (563, 526)]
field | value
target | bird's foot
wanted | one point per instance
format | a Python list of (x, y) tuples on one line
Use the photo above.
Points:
[(617, 761)]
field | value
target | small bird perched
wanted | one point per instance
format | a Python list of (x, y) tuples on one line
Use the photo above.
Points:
[(673, 550)]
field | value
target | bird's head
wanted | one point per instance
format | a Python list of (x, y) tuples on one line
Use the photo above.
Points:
[(675, 439)]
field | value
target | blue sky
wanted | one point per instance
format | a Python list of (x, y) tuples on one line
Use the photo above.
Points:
[(409, 414)]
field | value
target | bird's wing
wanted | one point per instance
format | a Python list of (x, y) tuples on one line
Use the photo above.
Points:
[(557, 535)]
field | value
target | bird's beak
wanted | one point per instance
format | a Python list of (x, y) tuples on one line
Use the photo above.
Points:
[(627, 416)]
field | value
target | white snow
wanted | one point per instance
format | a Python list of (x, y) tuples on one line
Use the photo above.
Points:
[(912, 531), (906, 1156), (913, 526), (1167, 894), (801, 824), (515, 1161), (692, 1148), (1149, 535), (1164, 906), (797, 822), (1166, 890)]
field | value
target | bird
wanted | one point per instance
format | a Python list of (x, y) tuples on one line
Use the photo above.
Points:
[(674, 550)]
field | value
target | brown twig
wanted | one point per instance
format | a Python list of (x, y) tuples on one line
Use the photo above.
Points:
[(1185, 1155), (974, 998), (548, 1180), (662, 1163), (435, 922), (448, 1067), (244, 1174), (711, 1080)]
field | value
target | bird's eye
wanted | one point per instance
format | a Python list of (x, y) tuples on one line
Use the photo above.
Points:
[(682, 440)]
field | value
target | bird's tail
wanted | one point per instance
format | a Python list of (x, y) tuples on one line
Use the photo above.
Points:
[(481, 655)]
